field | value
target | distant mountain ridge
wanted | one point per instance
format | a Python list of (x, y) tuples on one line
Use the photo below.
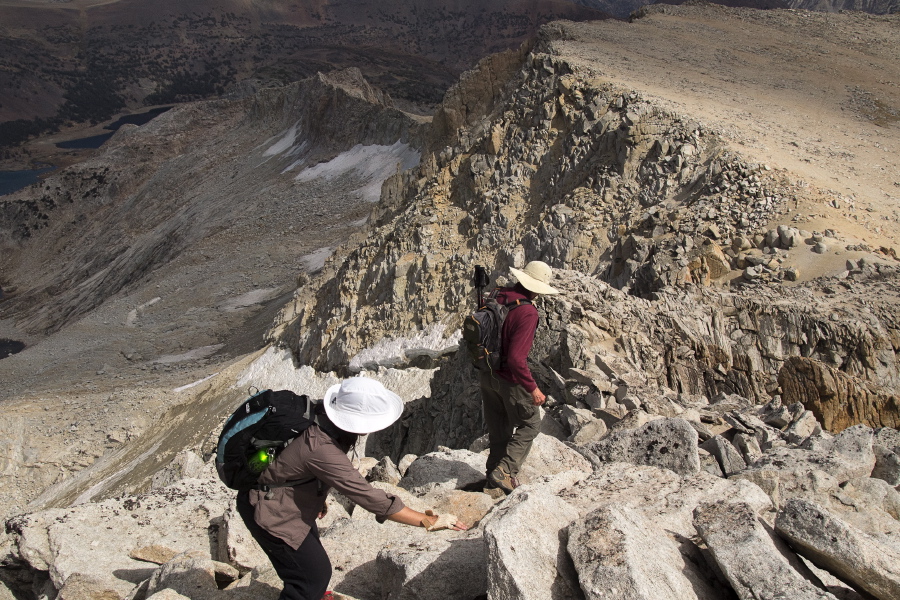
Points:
[(622, 9), (877, 7), (73, 63)]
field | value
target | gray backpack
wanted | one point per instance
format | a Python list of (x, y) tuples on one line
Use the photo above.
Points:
[(482, 332)]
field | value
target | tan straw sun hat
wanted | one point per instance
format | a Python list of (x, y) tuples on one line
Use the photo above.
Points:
[(535, 277)]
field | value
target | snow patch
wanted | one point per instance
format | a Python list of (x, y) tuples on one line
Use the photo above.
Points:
[(196, 383), (191, 355), (249, 299), (315, 260), (373, 164), (275, 370), (392, 351), (286, 142)]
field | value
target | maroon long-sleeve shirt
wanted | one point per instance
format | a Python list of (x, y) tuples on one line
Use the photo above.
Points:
[(518, 337)]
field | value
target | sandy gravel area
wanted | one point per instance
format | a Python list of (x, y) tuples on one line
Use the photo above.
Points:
[(815, 94)]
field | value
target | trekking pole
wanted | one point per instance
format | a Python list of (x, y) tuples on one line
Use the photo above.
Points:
[(480, 281)]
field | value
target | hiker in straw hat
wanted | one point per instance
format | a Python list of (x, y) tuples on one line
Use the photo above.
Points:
[(282, 518), (510, 395)]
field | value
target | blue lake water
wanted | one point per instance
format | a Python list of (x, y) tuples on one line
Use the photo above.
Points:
[(10, 181), (8, 347), (95, 141)]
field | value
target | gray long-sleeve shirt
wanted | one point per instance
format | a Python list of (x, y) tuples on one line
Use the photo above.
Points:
[(291, 511)]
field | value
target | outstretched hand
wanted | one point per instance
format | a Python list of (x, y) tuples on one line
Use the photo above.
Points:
[(428, 520), (433, 522)]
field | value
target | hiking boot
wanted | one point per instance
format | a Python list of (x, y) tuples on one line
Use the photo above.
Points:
[(498, 478)]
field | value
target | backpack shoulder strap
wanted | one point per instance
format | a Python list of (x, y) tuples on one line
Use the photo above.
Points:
[(516, 304)]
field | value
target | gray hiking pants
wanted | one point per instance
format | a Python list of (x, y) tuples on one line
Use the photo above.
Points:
[(512, 421)]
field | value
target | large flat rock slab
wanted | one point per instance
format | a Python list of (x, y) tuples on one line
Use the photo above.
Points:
[(840, 548)]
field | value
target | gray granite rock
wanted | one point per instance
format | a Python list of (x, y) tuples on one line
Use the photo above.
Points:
[(549, 456), (887, 465), (666, 443), (840, 548), (746, 553), (526, 548), (353, 546), (619, 554), (748, 446), (385, 471), (187, 574), (446, 469), (786, 472), (434, 568), (730, 460)]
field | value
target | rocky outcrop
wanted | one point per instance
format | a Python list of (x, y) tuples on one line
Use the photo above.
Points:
[(836, 399), (748, 556), (526, 548), (601, 349), (434, 568), (557, 166), (665, 443), (572, 530), (618, 554), (703, 392), (535, 156)]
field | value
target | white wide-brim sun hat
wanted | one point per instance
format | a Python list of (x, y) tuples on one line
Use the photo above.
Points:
[(362, 405), (535, 277)]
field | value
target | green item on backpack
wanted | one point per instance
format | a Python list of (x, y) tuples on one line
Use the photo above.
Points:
[(256, 432)]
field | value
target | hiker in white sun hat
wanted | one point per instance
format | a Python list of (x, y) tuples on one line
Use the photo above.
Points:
[(282, 514), (510, 394)]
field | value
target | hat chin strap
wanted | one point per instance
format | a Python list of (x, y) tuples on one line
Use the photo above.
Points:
[(344, 439)]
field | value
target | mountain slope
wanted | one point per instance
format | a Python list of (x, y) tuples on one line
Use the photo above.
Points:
[(184, 202), (714, 282)]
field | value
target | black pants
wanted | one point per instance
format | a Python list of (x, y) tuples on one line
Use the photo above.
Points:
[(305, 571)]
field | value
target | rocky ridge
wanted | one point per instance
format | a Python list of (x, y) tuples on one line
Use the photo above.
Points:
[(692, 506), (562, 167)]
